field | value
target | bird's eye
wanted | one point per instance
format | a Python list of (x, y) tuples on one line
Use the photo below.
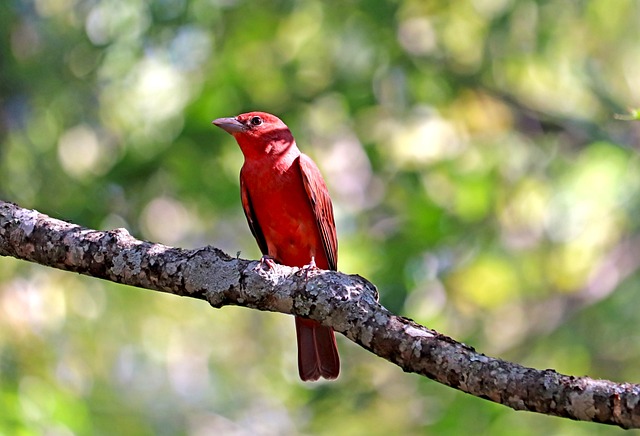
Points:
[(256, 121)]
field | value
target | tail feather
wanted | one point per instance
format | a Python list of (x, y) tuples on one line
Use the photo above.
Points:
[(317, 351)]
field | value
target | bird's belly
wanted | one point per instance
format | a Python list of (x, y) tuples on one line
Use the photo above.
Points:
[(292, 235), (289, 226)]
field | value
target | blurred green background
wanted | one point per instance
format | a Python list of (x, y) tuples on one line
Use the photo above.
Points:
[(478, 175)]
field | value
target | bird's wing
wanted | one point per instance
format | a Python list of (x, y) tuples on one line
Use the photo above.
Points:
[(251, 217), (322, 209)]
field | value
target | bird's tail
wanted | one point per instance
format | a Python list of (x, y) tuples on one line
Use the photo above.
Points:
[(317, 351)]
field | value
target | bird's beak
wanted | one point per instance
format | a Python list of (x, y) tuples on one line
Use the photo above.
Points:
[(229, 125)]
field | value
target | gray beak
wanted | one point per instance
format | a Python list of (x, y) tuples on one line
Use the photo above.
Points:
[(229, 125)]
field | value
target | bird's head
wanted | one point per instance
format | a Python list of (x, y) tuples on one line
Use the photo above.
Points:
[(258, 134)]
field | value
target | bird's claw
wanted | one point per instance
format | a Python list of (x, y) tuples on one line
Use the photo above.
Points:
[(266, 260), (308, 268)]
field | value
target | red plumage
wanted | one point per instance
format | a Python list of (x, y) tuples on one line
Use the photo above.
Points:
[(289, 211)]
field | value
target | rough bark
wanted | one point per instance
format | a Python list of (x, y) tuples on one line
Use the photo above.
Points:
[(348, 303)]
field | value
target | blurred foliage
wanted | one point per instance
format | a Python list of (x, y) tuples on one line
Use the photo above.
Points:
[(479, 177)]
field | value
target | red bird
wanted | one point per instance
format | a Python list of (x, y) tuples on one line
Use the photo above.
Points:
[(287, 205)]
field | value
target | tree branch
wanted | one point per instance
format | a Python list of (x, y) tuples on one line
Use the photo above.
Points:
[(348, 303)]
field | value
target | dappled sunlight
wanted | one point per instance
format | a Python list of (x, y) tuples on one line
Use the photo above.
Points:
[(110, 21), (417, 36), (82, 153), (423, 139), (158, 92), (297, 29), (166, 220), (148, 103), (568, 266), (481, 114), (33, 305), (586, 214), (524, 213), (463, 38), (590, 194), (50, 8), (488, 281), (553, 87)]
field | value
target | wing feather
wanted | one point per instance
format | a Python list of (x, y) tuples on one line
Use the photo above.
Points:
[(320, 201)]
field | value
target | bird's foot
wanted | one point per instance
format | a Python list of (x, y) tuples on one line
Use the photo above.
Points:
[(266, 260), (308, 268)]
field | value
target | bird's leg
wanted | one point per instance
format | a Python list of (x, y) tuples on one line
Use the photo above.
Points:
[(268, 261), (312, 264)]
